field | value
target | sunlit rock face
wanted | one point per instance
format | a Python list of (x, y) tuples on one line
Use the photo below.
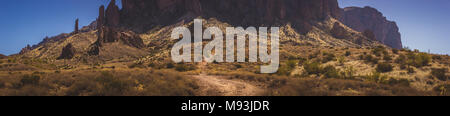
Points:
[(370, 19)]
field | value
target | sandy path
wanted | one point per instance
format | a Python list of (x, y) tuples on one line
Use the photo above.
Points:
[(222, 86)]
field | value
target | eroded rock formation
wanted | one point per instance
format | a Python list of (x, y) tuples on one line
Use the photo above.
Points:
[(76, 26), (109, 30), (68, 52), (367, 18)]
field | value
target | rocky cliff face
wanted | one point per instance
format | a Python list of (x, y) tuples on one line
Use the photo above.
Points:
[(369, 19), (237, 12), (142, 15)]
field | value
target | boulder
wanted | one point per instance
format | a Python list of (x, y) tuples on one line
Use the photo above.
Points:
[(68, 52)]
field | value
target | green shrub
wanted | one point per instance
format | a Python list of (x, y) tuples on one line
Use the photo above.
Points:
[(395, 51), (170, 65), (439, 73), (291, 64), (301, 61), (384, 67), (401, 59), (330, 72), (287, 68), (371, 59), (410, 70), (348, 73), (374, 77), (327, 57), (418, 60), (436, 57), (422, 59), (184, 67), (401, 82), (387, 58), (348, 53), (327, 71), (111, 85), (379, 50), (341, 60), (361, 57), (30, 80), (443, 89), (137, 65), (238, 65), (312, 68)]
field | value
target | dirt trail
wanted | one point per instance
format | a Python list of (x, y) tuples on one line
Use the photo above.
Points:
[(222, 86)]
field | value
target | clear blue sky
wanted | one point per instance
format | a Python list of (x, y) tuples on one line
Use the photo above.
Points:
[(25, 22), (424, 24)]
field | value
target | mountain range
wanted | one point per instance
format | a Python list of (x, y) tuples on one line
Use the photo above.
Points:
[(312, 19)]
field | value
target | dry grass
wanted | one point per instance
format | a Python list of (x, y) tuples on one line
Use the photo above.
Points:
[(99, 83)]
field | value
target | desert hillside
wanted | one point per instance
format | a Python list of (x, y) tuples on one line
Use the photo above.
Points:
[(324, 50)]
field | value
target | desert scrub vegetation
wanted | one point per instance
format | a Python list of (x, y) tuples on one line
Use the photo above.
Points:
[(99, 83), (379, 50), (183, 67), (418, 59), (439, 73), (443, 89), (287, 68), (376, 77), (369, 58), (348, 53), (137, 65), (340, 87), (384, 67), (327, 57), (326, 71)]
